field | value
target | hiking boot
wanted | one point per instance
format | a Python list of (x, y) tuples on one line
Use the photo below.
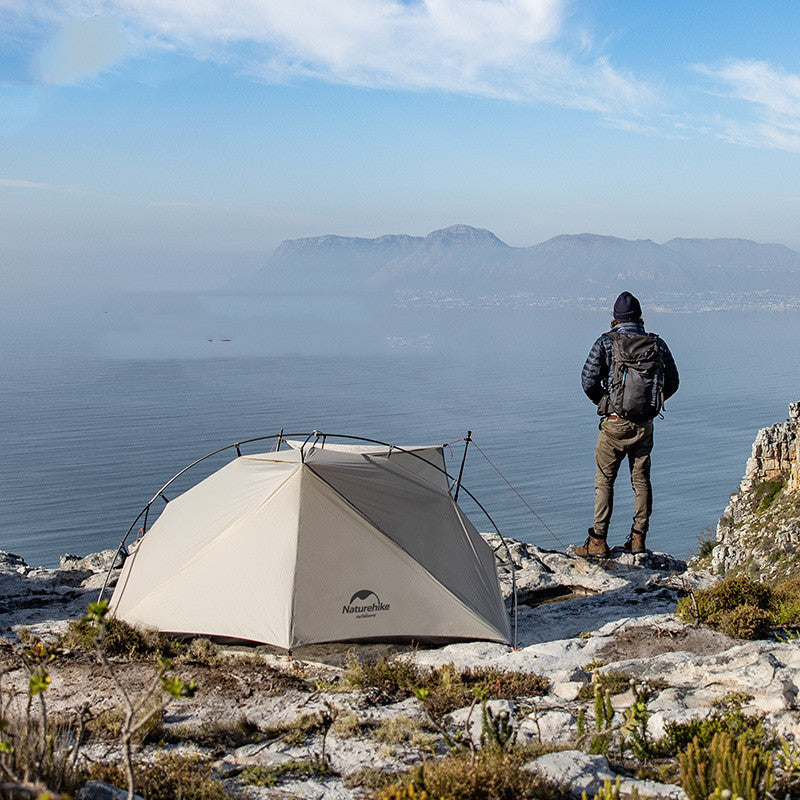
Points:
[(634, 544), (593, 547)]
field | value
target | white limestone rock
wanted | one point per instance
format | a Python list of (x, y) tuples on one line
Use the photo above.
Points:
[(547, 727), (470, 718), (587, 773)]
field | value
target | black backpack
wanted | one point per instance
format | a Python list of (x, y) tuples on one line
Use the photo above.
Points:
[(636, 385)]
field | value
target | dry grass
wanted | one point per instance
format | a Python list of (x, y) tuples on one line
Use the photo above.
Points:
[(491, 775)]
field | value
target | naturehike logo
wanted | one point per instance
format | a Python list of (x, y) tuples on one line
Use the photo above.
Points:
[(364, 603)]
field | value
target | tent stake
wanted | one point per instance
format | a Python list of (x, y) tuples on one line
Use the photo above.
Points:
[(463, 460)]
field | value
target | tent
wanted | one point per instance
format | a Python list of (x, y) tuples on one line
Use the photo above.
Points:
[(317, 544)]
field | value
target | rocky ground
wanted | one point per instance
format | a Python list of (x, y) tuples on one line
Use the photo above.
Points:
[(258, 713), (575, 617)]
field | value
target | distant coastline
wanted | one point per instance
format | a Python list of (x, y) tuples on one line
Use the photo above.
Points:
[(462, 266), (677, 303)]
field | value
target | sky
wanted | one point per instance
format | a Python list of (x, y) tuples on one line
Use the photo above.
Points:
[(173, 144)]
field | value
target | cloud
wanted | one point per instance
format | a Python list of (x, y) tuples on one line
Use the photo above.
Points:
[(497, 48), (13, 183), (81, 49), (774, 98)]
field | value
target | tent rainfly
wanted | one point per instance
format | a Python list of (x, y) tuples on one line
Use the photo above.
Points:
[(317, 544)]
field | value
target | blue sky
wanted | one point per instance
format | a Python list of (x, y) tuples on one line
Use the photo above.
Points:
[(170, 144)]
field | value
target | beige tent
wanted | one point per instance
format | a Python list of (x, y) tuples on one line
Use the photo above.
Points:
[(331, 543)]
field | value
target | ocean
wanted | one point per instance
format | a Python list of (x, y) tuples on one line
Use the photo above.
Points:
[(104, 401)]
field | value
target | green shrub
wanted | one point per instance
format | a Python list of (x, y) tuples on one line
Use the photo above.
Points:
[(120, 639), (447, 687), (256, 775), (611, 791), (613, 682), (787, 600), (404, 792), (201, 651), (744, 608), (167, 777), (743, 622), (706, 548), (764, 494), (370, 778), (732, 722), (396, 677), (737, 606), (489, 775), (727, 763)]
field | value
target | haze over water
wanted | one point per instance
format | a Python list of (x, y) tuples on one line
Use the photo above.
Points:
[(104, 403)]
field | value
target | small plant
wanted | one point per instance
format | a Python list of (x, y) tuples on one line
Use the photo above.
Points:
[(217, 734), (167, 777), (349, 725), (201, 651), (371, 778), (404, 792), (706, 542), (764, 494), (327, 717), (256, 775), (603, 717), (738, 606), (497, 731), (731, 701), (298, 730), (138, 711), (612, 681), (447, 687), (611, 791), (394, 677), (397, 730), (732, 722), (37, 752), (727, 764), (119, 639), (787, 760), (485, 775), (634, 726)]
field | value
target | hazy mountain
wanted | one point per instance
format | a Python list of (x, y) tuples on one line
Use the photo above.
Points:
[(587, 263), (458, 256), (474, 261), (741, 264)]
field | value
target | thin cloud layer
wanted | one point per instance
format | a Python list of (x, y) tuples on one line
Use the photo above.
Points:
[(81, 49), (774, 96), (497, 48)]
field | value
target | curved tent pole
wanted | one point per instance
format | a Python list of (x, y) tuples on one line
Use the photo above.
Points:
[(318, 435)]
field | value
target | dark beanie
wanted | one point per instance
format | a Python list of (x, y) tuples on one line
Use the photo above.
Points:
[(627, 308)]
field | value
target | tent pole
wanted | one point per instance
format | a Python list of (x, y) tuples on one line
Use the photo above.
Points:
[(463, 460)]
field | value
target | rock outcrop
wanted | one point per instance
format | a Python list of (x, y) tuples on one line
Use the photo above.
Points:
[(759, 532)]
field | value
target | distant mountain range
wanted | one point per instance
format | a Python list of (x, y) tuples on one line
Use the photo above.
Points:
[(473, 261)]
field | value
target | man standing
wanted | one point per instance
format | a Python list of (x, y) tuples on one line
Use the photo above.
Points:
[(628, 375)]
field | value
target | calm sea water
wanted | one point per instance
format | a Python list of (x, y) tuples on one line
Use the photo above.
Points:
[(102, 405)]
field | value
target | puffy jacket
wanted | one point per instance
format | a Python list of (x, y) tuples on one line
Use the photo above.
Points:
[(599, 364)]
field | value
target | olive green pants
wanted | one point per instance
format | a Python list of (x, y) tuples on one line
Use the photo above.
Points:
[(620, 438)]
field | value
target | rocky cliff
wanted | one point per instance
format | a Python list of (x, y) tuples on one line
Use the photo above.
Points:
[(759, 532)]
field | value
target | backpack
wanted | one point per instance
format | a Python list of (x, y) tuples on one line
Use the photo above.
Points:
[(636, 386)]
